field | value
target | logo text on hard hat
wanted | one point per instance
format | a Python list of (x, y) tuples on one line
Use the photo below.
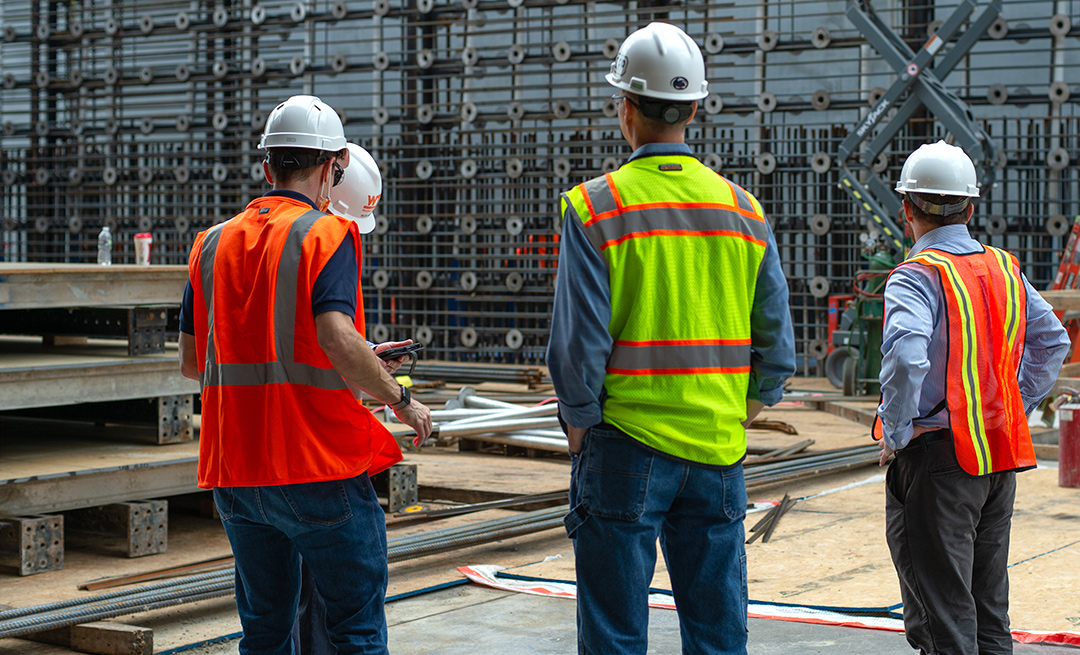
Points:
[(620, 64), (679, 83), (372, 201)]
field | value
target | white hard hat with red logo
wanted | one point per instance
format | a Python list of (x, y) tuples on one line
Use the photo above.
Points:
[(660, 61), (360, 190)]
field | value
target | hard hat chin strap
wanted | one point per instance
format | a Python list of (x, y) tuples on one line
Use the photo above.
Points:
[(936, 209)]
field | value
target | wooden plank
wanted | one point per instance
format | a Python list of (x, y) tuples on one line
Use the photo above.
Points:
[(31, 286), (103, 638), (1062, 299), (862, 412), (1070, 370)]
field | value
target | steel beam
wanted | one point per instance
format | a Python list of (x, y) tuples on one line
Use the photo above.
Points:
[(90, 488), (89, 375), (142, 326), (30, 286)]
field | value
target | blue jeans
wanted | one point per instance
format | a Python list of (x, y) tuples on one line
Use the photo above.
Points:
[(622, 498), (339, 529)]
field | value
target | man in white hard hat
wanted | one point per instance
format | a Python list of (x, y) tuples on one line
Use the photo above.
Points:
[(969, 349), (670, 332), (272, 326), (355, 198)]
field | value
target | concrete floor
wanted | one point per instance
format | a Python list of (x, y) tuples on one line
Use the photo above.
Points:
[(470, 619)]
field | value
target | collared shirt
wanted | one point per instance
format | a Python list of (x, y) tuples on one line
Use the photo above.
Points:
[(580, 342), (334, 290), (915, 343)]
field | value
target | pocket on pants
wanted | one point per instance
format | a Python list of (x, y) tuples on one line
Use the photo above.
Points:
[(616, 475), (223, 501), (321, 503)]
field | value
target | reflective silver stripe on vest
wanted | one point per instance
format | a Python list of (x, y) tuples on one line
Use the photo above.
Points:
[(743, 199), (287, 272), (206, 271), (697, 219), (695, 356), (693, 219), (599, 194), (246, 375), (570, 214), (284, 370)]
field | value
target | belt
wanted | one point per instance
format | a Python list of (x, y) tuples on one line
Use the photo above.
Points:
[(928, 439)]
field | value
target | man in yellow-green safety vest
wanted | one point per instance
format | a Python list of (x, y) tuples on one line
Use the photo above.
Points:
[(671, 330)]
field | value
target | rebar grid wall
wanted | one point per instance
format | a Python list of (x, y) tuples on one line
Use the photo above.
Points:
[(145, 115)]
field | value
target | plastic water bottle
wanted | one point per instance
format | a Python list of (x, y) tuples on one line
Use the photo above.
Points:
[(104, 247)]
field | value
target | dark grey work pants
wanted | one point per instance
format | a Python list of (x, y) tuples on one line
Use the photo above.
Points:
[(949, 537)]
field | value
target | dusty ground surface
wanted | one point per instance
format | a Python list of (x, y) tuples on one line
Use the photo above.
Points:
[(828, 550)]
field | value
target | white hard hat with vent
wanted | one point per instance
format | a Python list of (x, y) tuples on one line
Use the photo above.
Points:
[(303, 122), (660, 61), (360, 190)]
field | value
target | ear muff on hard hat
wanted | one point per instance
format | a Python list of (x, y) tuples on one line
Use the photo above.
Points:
[(360, 190), (660, 61), (670, 113)]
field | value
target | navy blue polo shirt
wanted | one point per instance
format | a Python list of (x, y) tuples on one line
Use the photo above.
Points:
[(334, 290)]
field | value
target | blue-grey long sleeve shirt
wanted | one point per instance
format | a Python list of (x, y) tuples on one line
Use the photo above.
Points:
[(915, 343), (580, 342)]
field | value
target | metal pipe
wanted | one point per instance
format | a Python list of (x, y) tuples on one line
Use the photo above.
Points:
[(507, 425), (525, 441), (551, 409)]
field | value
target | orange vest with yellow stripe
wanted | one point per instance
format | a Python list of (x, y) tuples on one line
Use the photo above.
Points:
[(986, 306), (274, 409)]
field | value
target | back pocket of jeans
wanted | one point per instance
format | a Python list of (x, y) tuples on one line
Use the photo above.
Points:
[(617, 475), (223, 501), (322, 503)]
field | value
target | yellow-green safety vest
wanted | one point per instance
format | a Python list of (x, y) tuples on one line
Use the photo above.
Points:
[(683, 247)]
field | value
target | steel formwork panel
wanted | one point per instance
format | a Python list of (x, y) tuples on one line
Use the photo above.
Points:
[(145, 116)]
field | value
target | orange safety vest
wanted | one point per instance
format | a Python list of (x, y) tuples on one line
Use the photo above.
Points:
[(274, 409), (986, 306)]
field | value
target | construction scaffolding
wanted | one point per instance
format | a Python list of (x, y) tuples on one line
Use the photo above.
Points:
[(145, 115)]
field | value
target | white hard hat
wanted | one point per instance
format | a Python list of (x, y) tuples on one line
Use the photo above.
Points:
[(303, 122), (941, 169), (360, 190), (660, 61)]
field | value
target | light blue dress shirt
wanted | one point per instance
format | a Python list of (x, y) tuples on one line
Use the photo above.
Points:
[(580, 342), (915, 343)]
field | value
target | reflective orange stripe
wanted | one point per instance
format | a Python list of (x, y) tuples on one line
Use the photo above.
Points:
[(682, 233), (668, 205), (614, 190), (684, 342), (678, 371)]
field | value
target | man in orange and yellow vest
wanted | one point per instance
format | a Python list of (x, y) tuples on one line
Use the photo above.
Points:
[(670, 331), (271, 326), (969, 350)]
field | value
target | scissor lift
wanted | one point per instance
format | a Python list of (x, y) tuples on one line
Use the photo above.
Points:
[(918, 84)]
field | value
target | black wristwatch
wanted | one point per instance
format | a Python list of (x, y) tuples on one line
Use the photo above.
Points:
[(405, 399)]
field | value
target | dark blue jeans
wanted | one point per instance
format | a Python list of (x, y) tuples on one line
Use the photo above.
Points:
[(623, 497), (339, 529)]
